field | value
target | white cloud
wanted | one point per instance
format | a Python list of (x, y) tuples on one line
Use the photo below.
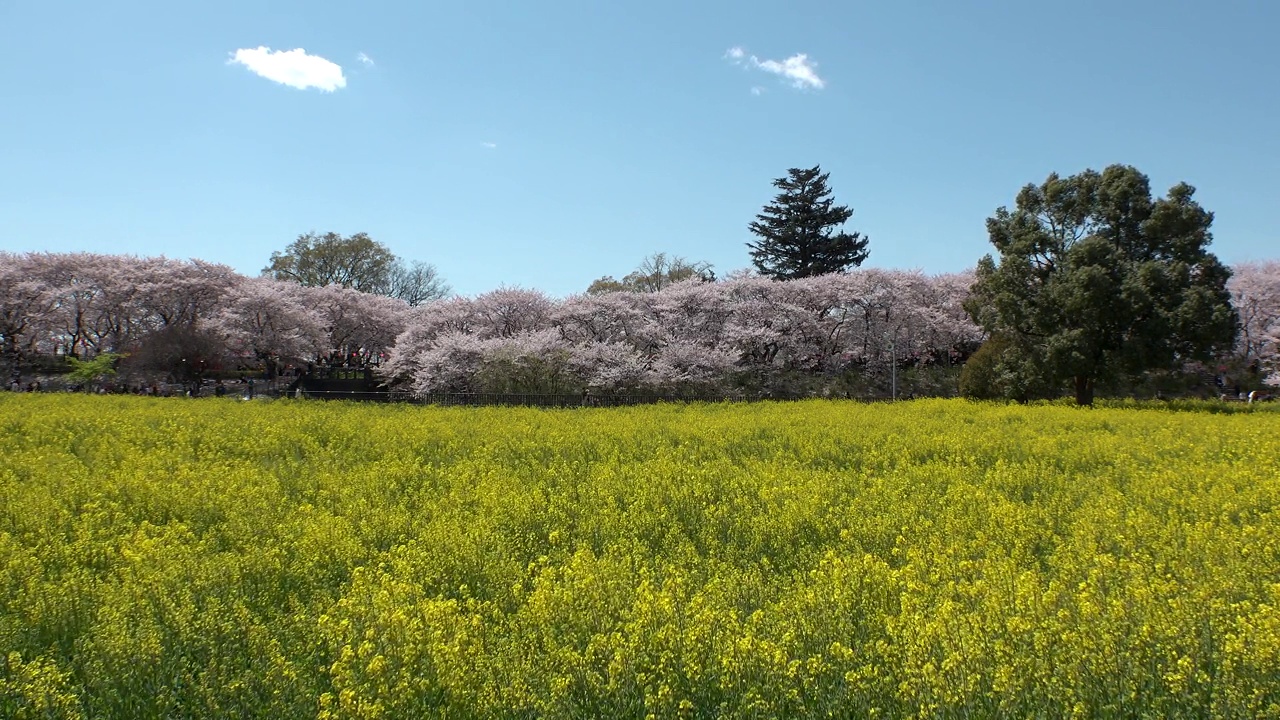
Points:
[(489, 145), (798, 69), (364, 60), (757, 90), (294, 68)]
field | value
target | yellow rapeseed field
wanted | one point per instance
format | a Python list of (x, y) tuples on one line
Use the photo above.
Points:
[(167, 558)]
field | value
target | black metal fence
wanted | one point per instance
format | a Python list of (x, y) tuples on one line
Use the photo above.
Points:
[(531, 399), (569, 400)]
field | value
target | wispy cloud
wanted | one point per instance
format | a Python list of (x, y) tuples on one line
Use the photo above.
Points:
[(489, 145), (798, 69), (757, 90), (294, 68), (365, 60)]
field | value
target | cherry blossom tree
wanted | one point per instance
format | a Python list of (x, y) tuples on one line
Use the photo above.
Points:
[(923, 315), (953, 328), (177, 292), (612, 367), (170, 307), (118, 320), (688, 366), (861, 320), (26, 305), (357, 324), (263, 317), (692, 311), (75, 291), (627, 318), (537, 361), (509, 311), (1255, 293), (447, 363), (760, 323), (529, 362)]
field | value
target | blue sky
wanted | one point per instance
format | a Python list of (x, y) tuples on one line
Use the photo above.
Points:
[(546, 144)]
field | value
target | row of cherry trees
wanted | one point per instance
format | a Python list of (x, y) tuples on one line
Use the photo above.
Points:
[(84, 304), (690, 335)]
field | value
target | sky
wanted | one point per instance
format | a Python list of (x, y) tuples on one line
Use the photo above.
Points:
[(546, 144)]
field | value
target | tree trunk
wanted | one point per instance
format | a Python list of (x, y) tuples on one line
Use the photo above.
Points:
[(8, 368), (1084, 390)]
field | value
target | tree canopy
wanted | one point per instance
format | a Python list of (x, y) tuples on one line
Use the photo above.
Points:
[(1255, 293), (653, 274), (798, 230), (357, 262), (415, 282), (1095, 279)]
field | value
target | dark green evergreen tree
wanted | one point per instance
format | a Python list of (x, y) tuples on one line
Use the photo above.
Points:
[(798, 231), (1095, 280)]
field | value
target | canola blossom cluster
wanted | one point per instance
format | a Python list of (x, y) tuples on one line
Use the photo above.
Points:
[(166, 558)]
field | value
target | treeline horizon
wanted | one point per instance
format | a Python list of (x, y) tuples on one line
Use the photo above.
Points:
[(840, 333), (1095, 284)]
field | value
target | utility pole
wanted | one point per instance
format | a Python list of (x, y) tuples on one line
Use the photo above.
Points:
[(893, 364)]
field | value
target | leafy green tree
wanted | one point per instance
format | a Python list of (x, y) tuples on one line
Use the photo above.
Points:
[(358, 262), (798, 230), (89, 371), (999, 369), (1096, 280), (654, 273)]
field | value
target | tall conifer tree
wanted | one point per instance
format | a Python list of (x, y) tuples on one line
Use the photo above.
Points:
[(799, 235)]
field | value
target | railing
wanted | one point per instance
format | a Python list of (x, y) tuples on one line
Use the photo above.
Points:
[(569, 400), (531, 399)]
